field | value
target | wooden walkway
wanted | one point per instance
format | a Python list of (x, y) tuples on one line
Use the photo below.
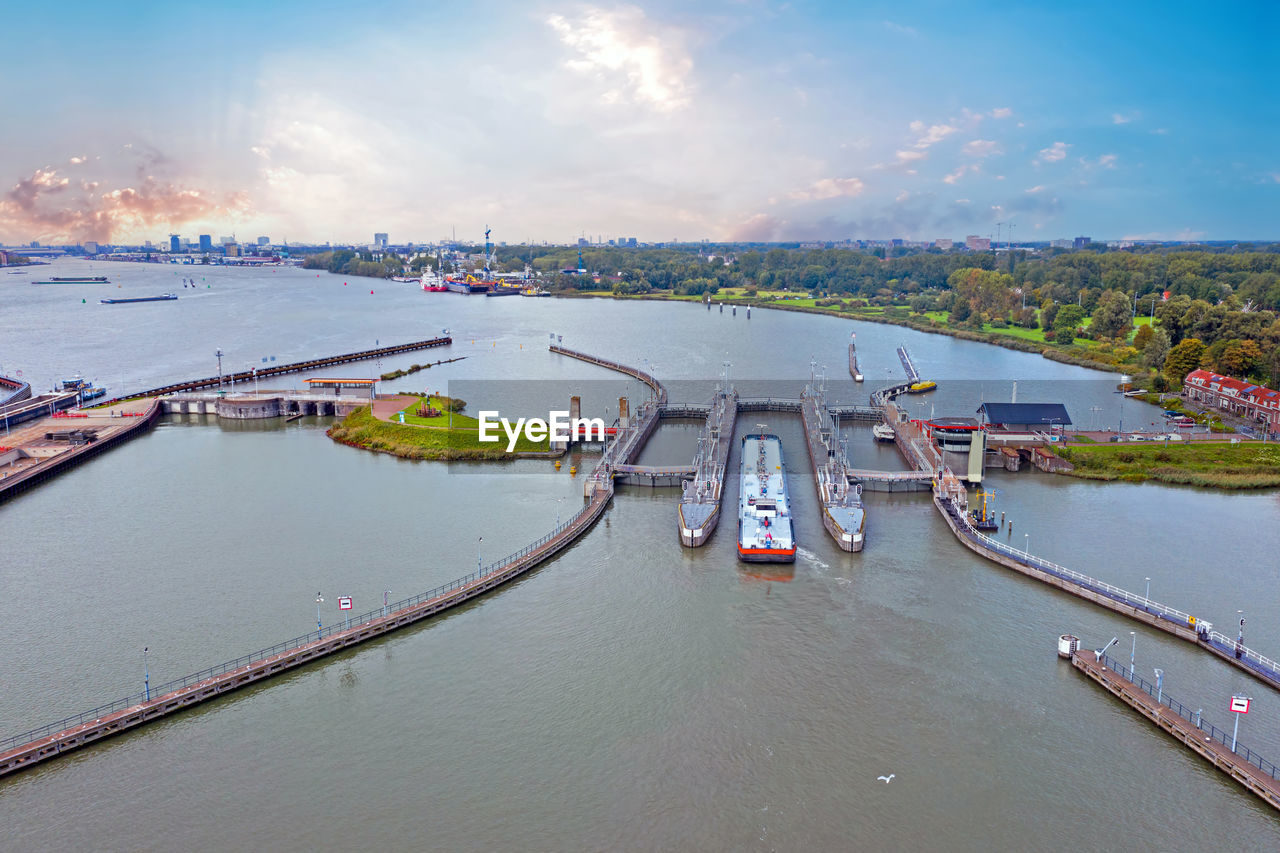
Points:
[(1241, 768)]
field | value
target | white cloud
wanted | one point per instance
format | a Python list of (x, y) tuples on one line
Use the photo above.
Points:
[(1000, 112), (932, 134), (1107, 161), (829, 188), (632, 56), (910, 156), (1036, 189), (960, 173), (981, 148), (900, 28), (76, 161), (902, 196), (1054, 153), (1120, 118)]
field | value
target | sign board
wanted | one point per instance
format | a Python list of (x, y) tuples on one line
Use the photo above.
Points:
[(1240, 704), (344, 603)]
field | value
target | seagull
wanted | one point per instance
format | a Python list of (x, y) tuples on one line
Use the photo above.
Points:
[(886, 779)]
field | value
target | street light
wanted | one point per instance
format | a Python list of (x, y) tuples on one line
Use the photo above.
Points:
[(478, 541), (1240, 636), (146, 675), (1132, 650), (1159, 685), (385, 594), (319, 601), (1026, 547)]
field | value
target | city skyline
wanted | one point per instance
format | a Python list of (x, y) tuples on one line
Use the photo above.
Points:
[(725, 121)]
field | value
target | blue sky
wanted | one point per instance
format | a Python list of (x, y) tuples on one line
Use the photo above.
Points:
[(720, 120)]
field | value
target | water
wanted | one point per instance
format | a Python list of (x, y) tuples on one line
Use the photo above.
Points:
[(630, 693)]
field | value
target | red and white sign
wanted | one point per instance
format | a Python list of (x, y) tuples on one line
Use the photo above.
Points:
[(344, 603), (1240, 704)]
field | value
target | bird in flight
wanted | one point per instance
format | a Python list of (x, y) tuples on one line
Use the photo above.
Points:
[(886, 779)]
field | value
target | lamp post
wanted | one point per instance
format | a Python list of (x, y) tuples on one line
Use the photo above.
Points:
[(1159, 685), (478, 541), (1026, 544), (385, 598), (1124, 382), (319, 601), (146, 675), (1132, 650), (1147, 594), (559, 501), (1240, 636), (218, 353)]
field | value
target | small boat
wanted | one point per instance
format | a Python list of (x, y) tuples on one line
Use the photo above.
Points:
[(882, 432), (88, 392), (70, 279), (534, 291), (74, 384), (164, 297), (921, 386), (503, 290)]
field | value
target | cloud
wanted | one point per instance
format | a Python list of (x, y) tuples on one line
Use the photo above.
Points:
[(76, 161), (637, 60), (907, 156), (960, 173), (1120, 118), (829, 188), (1054, 153), (761, 228), (1036, 189), (981, 148), (48, 208), (1107, 161), (1000, 112), (932, 134), (900, 28)]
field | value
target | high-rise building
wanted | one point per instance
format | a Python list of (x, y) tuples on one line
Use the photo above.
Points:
[(943, 243), (90, 247), (264, 241), (1081, 242), (380, 240), (175, 243), (206, 243), (233, 251), (977, 244)]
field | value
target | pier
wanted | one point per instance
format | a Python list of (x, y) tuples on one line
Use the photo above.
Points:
[(843, 515), (699, 509), (294, 367), (854, 370), (913, 375), (1258, 775)]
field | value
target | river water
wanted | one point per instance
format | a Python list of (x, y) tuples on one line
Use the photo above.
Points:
[(630, 694)]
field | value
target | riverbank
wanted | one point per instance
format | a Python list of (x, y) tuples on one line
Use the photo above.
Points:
[(411, 440), (1217, 465), (1087, 354)]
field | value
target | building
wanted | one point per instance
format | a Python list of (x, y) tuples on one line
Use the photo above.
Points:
[(975, 243), (1023, 417), (206, 243), (175, 243), (90, 247), (1234, 396), (380, 240), (264, 241), (943, 243), (1081, 242), (1061, 244), (232, 250)]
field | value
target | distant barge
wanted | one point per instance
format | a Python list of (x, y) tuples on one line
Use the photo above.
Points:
[(165, 297)]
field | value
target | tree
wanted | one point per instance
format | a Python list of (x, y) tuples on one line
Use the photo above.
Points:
[(1183, 358), (1157, 348), (1112, 317), (1240, 358), (1048, 311), (1067, 322), (1143, 336)]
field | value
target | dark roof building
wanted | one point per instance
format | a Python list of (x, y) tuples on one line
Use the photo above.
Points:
[(1020, 416)]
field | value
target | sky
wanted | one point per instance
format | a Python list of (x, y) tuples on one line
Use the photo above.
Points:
[(727, 120)]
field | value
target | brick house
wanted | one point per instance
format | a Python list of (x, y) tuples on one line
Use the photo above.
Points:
[(1243, 399)]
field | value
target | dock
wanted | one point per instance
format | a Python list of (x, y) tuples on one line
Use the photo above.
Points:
[(854, 370), (843, 514), (699, 509), (1256, 774)]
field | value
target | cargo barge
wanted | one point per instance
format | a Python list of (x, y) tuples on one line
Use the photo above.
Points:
[(765, 534), (164, 297)]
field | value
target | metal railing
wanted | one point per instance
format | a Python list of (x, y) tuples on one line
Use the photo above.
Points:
[(1262, 665), (1193, 717), (579, 520)]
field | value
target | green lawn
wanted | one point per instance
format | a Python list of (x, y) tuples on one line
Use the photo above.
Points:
[(1247, 465), (426, 438)]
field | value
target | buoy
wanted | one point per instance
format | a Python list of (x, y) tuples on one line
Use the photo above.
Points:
[(81, 301), (557, 464), (573, 469), (371, 293)]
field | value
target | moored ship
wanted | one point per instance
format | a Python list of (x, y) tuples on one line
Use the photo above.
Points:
[(765, 534), (164, 297)]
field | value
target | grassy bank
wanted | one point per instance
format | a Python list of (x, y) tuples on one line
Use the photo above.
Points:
[(433, 441), (1082, 353), (1247, 465)]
